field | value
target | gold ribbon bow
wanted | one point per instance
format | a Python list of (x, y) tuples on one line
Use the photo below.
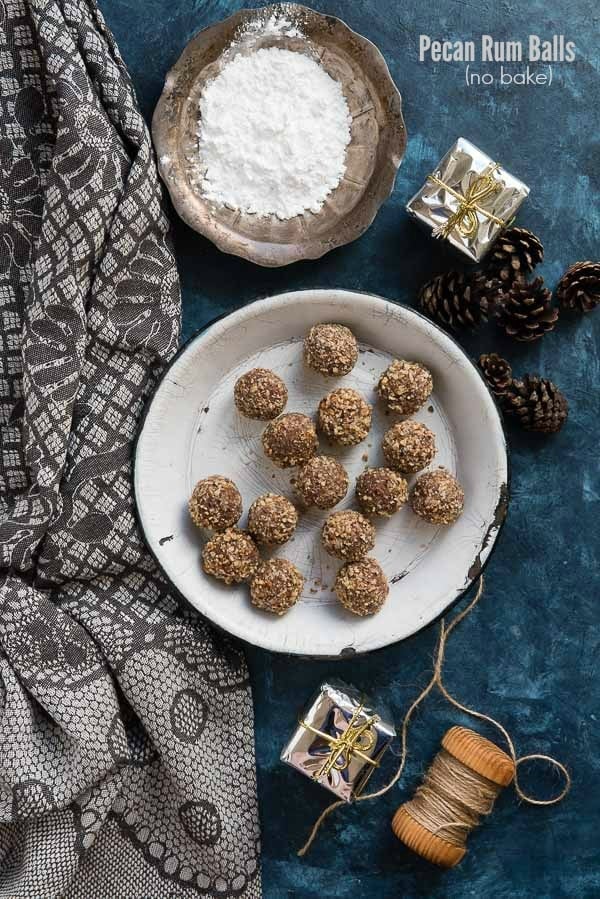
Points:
[(465, 219), (357, 739)]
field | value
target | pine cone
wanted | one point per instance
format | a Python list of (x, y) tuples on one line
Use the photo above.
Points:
[(514, 255), (496, 371), (537, 403), (579, 287), (459, 299), (526, 313)]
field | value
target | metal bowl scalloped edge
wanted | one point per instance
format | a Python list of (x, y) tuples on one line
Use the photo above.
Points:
[(196, 212)]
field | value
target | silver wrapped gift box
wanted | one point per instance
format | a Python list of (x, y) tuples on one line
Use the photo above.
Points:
[(468, 199), (339, 741)]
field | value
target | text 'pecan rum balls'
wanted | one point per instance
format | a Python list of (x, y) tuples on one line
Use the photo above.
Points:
[(276, 586), (260, 394), (381, 491), (344, 416), (438, 497), (215, 503), (231, 557), (322, 482), (361, 587), (330, 350), (408, 446), (290, 440), (272, 519), (405, 386), (348, 535)]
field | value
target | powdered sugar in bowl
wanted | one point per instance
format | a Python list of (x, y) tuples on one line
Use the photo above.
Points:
[(243, 171)]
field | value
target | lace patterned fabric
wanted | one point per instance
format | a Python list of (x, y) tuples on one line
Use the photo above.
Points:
[(126, 729)]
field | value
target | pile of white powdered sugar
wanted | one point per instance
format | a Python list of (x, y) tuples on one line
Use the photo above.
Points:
[(274, 128)]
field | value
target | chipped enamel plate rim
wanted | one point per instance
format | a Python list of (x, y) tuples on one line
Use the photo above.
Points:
[(191, 430)]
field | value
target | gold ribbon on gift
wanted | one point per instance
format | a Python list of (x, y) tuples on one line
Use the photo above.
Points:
[(358, 739), (464, 219)]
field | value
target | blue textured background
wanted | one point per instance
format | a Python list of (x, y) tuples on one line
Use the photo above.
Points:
[(528, 654)]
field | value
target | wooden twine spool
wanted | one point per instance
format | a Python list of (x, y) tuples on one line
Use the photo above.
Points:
[(461, 785)]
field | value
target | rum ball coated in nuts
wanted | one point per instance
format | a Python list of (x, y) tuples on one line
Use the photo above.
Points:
[(231, 557), (361, 587), (344, 416), (330, 349), (405, 386), (348, 535), (408, 446), (381, 491), (260, 394), (322, 482), (438, 497), (290, 440), (276, 586), (272, 519), (215, 503)]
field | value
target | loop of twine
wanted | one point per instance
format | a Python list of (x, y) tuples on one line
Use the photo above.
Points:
[(437, 681)]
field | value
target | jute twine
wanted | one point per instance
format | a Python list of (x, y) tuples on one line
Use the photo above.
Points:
[(477, 797), (451, 799)]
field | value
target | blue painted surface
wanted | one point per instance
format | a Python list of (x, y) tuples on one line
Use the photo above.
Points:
[(528, 655)]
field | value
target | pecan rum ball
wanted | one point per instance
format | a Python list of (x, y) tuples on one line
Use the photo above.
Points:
[(260, 394), (290, 440), (215, 503), (330, 349), (405, 386), (322, 482), (381, 491), (276, 586), (231, 557), (344, 416), (408, 446), (272, 519), (361, 587), (438, 497), (348, 535)]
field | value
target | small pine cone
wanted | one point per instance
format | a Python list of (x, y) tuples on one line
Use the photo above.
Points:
[(579, 287), (459, 299), (537, 403), (526, 313), (496, 371), (514, 255)]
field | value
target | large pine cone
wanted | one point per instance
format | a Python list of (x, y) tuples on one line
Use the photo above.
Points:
[(537, 403), (496, 371), (514, 255), (459, 299), (526, 313), (579, 287)]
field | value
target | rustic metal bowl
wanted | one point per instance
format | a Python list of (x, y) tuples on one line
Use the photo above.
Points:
[(378, 138)]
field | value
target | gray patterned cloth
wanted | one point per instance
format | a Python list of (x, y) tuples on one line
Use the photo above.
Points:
[(126, 731)]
